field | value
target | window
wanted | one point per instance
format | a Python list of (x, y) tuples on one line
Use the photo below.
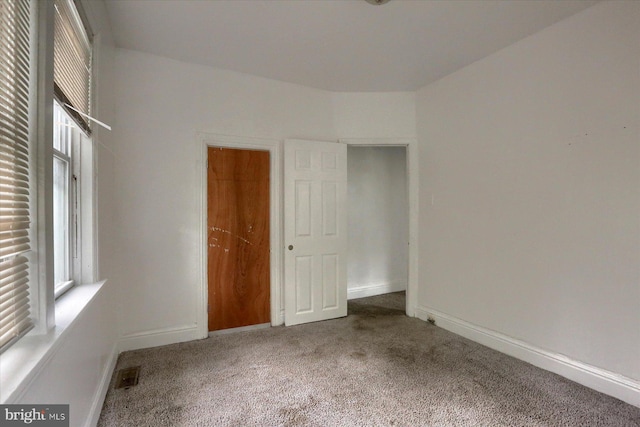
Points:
[(72, 81), (16, 47)]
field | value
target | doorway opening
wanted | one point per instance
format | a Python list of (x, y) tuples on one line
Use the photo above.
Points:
[(378, 221)]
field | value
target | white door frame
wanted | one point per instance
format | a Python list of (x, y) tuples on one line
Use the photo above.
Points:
[(412, 195), (206, 140)]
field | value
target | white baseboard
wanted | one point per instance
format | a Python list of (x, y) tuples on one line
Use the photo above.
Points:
[(103, 387), (376, 289), (159, 337), (610, 383)]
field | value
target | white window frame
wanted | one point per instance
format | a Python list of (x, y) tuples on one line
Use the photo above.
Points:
[(68, 136)]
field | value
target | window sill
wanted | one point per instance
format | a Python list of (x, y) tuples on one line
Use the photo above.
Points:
[(23, 361), (62, 289)]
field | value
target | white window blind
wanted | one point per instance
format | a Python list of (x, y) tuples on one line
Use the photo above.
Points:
[(15, 73), (72, 61)]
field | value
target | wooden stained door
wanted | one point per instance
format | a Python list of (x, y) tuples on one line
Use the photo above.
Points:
[(315, 228), (238, 237)]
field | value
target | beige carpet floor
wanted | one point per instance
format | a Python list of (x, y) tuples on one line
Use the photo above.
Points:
[(375, 367)]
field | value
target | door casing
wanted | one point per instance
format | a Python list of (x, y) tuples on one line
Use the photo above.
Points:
[(205, 140), (412, 171)]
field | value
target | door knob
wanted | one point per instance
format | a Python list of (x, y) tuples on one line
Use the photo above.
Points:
[(290, 247)]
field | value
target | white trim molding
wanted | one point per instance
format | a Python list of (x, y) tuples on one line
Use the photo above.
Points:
[(158, 337), (370, 290), (610, 383), (103, 387), (274, 147), (412, 196)]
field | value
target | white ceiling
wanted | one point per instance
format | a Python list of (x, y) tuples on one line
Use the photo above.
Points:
[(338, 45)]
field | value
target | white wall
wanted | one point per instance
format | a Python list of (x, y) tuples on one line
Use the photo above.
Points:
[(530, 191), (78, 370), (378, 220), (374, 115)]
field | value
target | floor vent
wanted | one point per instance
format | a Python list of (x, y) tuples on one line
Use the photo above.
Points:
[(127, 377)]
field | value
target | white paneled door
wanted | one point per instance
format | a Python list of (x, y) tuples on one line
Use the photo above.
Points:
[(315, 224)]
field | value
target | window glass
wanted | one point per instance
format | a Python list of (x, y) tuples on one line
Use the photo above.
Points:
[(60, 221), (64, 200)]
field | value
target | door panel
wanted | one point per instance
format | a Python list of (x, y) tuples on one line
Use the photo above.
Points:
[(238, 238), (315, 231), (330, 280)]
